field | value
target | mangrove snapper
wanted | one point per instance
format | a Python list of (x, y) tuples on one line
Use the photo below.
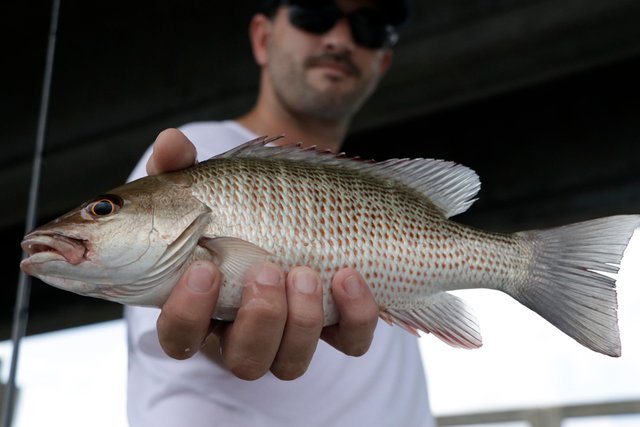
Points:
[(296, 206)]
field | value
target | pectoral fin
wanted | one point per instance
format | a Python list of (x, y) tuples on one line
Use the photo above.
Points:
[(444, 315), (235, 257)]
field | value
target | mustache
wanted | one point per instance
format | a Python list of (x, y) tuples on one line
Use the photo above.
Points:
[(335, 57)]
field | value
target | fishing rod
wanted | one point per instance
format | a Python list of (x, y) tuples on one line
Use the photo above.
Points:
[(21, 308)]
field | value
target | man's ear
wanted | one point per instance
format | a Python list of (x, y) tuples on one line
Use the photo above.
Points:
[(259, 33), (387, 59)]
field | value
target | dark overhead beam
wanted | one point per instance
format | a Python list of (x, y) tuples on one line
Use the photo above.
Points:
[(518, 46), (109, 104)]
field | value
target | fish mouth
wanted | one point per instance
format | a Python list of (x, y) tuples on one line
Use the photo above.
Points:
[(42, 248)]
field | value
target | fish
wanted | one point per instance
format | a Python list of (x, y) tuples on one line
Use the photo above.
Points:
[(389, 220)]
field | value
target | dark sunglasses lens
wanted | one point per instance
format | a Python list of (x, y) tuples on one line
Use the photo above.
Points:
[(369, 30), (317, 20), (367, 26)]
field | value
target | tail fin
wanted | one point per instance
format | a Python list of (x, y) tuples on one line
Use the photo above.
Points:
[(566, 285)]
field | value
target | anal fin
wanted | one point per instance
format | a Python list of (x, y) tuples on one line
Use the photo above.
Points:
[(444, 315)]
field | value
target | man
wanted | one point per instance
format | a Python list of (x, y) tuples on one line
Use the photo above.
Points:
[(319, 62)]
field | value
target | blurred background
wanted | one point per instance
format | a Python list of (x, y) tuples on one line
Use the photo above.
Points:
[(540, 97)]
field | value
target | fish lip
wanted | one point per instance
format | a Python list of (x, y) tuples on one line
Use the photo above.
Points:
[(45, 247)]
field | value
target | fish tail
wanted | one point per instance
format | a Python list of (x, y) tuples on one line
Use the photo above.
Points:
[(566, 285)]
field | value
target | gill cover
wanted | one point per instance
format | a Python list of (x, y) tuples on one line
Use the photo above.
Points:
[(129, 245), (175, 221)]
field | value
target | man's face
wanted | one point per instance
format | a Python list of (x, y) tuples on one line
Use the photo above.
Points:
[(326, 76)]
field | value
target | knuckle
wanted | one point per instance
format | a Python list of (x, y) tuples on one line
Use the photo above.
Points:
[(267, 311), (182, 318), (357, 337), (356, 349), (288, 371), (305, 322), (246, 368), (365, 316), (177, 352), (175, 345), (370, 314), (362, 324), (177, 332)]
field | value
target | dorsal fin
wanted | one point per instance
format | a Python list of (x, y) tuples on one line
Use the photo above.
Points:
[(449, 186)]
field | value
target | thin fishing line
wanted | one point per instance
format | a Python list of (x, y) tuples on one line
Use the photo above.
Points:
[(21, 309)]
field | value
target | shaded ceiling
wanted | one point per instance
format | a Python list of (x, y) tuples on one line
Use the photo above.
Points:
[(539, 97)]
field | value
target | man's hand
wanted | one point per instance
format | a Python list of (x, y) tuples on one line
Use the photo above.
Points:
[(280, 319)]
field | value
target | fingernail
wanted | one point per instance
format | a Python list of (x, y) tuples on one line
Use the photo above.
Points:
[(200, 277), (306, 281), (267, 275), (352, 286)]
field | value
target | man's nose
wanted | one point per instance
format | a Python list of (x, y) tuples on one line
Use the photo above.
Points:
[(339, 37)]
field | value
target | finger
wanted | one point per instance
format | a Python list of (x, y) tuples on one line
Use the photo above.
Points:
[(358, 314), (251, 342), (184, 321), (211, 345), (171, 151), (304, 324)]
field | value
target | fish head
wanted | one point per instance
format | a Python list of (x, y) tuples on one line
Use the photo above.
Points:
[(120, 245)]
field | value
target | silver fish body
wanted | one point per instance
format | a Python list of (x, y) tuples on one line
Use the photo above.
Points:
[(296, 206)]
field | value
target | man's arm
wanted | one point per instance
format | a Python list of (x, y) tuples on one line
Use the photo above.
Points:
[(280, 319)]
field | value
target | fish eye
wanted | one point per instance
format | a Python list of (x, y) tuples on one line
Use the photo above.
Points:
[(105, 205)]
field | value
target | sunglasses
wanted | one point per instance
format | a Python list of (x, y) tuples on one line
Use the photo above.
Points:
[(368, 29)]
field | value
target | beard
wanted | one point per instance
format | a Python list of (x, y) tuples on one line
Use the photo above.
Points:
[(334, 99)]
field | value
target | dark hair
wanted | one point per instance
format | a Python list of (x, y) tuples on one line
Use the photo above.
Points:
[(269, 7)]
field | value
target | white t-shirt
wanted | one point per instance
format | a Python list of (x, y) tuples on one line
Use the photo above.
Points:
[(385, 387)]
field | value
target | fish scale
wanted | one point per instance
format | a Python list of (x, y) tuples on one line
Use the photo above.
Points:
[(330, 218), (390, 221)]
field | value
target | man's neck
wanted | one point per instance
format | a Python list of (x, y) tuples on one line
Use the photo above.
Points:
[(324, 135)]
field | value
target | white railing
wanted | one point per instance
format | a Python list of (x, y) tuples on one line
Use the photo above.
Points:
[(552, 416)]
